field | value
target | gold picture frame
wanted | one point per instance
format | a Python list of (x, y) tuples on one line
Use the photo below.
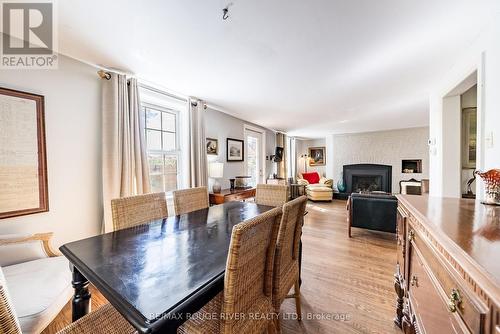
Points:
[(317, 156)]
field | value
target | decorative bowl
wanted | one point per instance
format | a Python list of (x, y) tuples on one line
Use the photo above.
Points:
[(491, 181)]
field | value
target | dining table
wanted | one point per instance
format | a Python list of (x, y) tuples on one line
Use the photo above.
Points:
[(158, 274)]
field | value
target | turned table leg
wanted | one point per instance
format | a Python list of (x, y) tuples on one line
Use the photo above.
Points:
[(81, 298), (398, 286)]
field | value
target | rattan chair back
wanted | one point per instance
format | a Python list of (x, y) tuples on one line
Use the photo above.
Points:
[(286, 261), (271, 194), (136, 210), (188, 200), (249, 272)]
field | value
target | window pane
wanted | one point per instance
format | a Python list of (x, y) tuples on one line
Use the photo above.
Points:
[(153, 139), (156, 183), (252, 159), (168, 122), (170, 182), (170, 164), (153, 119), (169, 141), (155, 163)]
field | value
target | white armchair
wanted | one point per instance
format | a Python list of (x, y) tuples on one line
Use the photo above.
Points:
[(38, 278), (320, 191)]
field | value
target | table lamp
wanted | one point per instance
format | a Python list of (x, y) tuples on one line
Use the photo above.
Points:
[(216, 171)]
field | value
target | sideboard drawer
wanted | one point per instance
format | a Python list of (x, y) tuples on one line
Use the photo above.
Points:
[(470, 310), (428, 301), (235, 197)]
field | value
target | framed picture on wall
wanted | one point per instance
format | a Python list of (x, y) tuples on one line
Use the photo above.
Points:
[(23, 167), (235, 149), (212, 146), (317, 156)]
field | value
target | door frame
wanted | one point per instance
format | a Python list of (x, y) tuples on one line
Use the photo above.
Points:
[(252, 128)]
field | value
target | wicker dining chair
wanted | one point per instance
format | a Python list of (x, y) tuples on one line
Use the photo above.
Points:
[(136, 210), (187, 200), (247, 282), (105, 320), (286, 260), (9, 324), (271, 194)]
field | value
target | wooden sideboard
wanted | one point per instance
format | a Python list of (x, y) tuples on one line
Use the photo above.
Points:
[(447, 276), (227, 195)]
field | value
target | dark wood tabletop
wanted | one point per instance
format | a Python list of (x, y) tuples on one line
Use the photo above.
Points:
[(155, 274)]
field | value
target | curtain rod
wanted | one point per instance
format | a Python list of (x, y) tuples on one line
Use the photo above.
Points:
[(104, 75)]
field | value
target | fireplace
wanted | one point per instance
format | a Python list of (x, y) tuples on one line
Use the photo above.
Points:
[(363, 183), (367, 177)]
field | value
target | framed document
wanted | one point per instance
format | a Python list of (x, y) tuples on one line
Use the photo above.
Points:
[(23, 166), (235, 149)]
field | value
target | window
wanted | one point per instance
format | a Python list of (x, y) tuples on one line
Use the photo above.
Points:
[(162, 146)]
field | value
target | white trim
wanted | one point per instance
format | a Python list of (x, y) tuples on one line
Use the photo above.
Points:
[(249, 127), (480, 122), (141, 84), (235, 115)]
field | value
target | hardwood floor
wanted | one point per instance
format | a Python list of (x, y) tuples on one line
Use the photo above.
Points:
[(347, 284), (351, 279)]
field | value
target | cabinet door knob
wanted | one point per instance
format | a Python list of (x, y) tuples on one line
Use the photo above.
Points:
[(454, 301)]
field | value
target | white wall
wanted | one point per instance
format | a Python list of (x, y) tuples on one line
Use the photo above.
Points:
[(452, 144), (302, 147), (482, 56), (73, 137), (381, 147), (222, 126)]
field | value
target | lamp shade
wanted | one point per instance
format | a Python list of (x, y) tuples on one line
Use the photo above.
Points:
[(216, 169)]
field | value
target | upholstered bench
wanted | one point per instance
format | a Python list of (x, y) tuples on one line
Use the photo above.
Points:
[(38, 280), (319, 192)]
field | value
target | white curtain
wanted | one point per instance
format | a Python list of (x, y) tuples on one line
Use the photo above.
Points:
[(292, 158), (281, 141), (197, 142), (124, 163)]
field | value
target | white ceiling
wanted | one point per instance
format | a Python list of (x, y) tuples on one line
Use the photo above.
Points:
[(309, 67)]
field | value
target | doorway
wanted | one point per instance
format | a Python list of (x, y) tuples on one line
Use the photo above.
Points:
[(254, 154), (460, 141), (469, 141)]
